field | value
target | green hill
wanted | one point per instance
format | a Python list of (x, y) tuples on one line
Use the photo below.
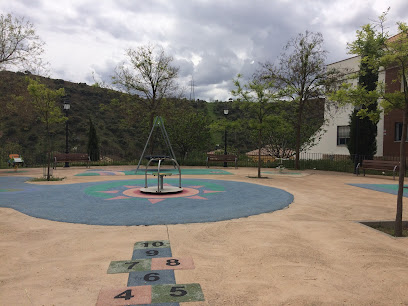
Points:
[(21, 132)]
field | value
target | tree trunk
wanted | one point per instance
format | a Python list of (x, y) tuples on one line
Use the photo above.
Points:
[(48, 153), (259, 152), (398, 217), (152, 140), (298, 130)]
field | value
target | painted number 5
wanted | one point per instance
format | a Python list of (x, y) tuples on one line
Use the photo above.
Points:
[(178, 291)]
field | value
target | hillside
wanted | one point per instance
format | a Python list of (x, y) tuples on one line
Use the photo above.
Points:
[(122, 123), (21, 131)]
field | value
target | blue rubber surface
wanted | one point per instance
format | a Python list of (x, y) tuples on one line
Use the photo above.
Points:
[(388, 188), (106, 203)]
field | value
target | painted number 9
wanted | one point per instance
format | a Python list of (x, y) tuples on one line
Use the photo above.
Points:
[(152, 253)]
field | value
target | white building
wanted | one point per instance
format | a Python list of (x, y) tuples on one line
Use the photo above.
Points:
[(337, 119)]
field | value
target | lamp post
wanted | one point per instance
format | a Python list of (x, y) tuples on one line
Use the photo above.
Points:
[(67, 106), (225, 136)]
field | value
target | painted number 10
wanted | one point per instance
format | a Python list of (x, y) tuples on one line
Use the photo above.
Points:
[(155, 244)]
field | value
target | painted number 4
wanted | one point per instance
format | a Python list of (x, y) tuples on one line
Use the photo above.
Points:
[(127, 295)]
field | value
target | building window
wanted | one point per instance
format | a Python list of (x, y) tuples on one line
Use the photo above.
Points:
[(398, 131), (343, 135)]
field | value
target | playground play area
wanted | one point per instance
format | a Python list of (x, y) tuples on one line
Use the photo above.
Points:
[(293, 238)]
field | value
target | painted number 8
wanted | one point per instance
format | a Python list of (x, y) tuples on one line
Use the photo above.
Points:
[(172, 262)]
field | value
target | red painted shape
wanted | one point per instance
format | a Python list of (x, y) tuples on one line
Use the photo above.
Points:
[(211, 191), (154, 201), (136, 193), (196, 186), (136, 295), (172, 263), (197, 198), (110, 191), (118, 198)]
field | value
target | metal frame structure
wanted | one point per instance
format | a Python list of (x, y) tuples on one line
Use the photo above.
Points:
[(158, 121)]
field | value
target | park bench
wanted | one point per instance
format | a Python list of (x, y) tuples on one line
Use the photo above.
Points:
[(221, 158), (381, 165), (71, 157), (15, 161)]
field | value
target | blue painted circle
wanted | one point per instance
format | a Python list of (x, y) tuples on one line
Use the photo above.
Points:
[(109, 203)]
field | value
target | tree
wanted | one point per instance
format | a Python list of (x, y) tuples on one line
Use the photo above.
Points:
[(44, 102), (256, 99), (363, 131), (93, 142), (301, 76), (394, 54), (149, 77), (188, 132), (20, 46), (280, 135)]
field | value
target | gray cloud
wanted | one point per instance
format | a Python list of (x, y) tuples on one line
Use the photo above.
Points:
[(212, 40)]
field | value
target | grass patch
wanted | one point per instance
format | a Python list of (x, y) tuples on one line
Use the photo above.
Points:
[(387, 227), (44, 179), (390, 231)]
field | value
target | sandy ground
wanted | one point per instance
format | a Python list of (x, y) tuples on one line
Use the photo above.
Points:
[(312, 253)]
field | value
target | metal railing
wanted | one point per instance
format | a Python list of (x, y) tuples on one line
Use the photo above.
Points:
[(317, 161)]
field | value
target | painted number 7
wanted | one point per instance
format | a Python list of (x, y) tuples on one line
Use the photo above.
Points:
[(132, 264)]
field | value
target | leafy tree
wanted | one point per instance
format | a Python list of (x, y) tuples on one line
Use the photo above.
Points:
[(256, 99), (44, 102), (301, 76), (20, 46), (149, 77), (280, 136), (363, 131), (189, 131), (394, 53), (93, 142)]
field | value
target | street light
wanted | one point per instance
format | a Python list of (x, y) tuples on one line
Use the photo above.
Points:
[(67, 106), (225, 135)]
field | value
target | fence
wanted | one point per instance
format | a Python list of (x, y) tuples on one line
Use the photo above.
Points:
[(317, 161)]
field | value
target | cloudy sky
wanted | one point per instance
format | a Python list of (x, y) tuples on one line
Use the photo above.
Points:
[(210, 40)]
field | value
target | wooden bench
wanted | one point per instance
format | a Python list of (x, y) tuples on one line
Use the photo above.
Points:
[(221, 158), (71, 157), (381, 165)]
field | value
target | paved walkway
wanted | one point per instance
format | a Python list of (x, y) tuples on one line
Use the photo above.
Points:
[(314, 252)]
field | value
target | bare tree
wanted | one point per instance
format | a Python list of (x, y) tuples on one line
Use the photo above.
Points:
[(20, 46), (301, 76), (148, 76)]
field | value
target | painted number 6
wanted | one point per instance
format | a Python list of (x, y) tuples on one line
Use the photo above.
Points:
[(151, 277)]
